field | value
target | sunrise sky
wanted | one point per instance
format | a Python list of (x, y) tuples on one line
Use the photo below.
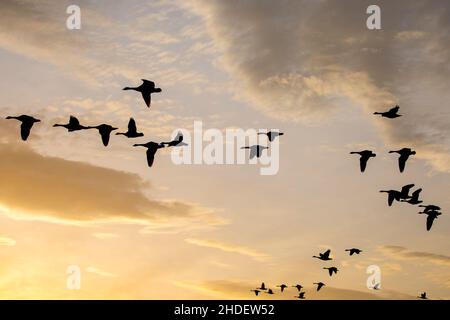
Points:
[(309, 68)]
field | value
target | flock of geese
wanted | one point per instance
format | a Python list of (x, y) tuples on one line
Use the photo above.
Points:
[(147, 88), (431, 211), (323, 256)]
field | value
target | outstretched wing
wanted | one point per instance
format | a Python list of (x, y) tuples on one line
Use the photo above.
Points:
[(105, 138), (391, 198), (149, 83), (363, 163), (132, 125), (402, 161), (147, 98), (326, 254), (394, 109), (330, 272), (430, 220), (253, 153), (151, 156), (25, 129), (74, 121)]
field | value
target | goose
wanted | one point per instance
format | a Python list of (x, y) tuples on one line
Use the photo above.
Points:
[(430, 207), (431, 216), (146, 89), (282, 286), (298, 286), (365, 155), (353, 251), (331, 270), (255, 150), (271, 135), (73, 125), (319, 285), (256, 291), (27, 124), (269, 291), (301, 295), (105, 131), (392, 195), (414, 199), (152, 147), (423, 296), (263, 287), (324, 256), (132, 130), (391, 114), (178, 141), (404, 155)]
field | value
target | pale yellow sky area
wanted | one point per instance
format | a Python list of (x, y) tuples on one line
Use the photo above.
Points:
[(309, 68)]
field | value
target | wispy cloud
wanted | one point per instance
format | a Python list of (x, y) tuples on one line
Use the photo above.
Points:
[(246, 251), (402, 253), (5, 241), (100, 272)]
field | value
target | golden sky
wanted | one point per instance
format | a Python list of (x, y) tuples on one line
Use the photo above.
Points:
[(309, 68)]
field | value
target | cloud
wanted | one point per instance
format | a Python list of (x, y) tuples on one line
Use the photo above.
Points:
[(105, 235), (245, 251), (305, 60), (5, 241), (38, 187), (402, 253), (100, 272)]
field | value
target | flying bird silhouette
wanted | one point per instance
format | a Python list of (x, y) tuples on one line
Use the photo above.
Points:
[(73, 125), (146, 89), (255, 150), (27, 124), (269, 291), (282, 286), (391, 114), (423, 296), (256, 291), (431, 216), (414, 199), (353, 251), (404, 155), (430, 207), (392, 195), (324, 256), (319, 285), (365, 155), (331, 270), (298, 286), (301, 295), (105, 131), (132, 130), (404, 192), (263, 287), (152, 147), (271, 135), (178, 141)]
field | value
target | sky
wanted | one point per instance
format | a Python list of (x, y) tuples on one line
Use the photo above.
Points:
[(311, 69)]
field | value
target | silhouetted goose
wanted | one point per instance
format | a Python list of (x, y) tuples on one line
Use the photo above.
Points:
[(331, 270), (298, 286), (132, 130), (404, 193), (282, 287), (353, 250), (146, 89), (271, 135), (392, 195), (73, 125), (365, 155), (152, 147), (319, 285), (27, 124), (105, 132), (255, 150), (391, 114), (263, 287), (414, 199), (404, 155), (301, 295), (256, 291), (269, 291), (177, 141), (324, 256), (423, 296), (430, 207), (431, 216)]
